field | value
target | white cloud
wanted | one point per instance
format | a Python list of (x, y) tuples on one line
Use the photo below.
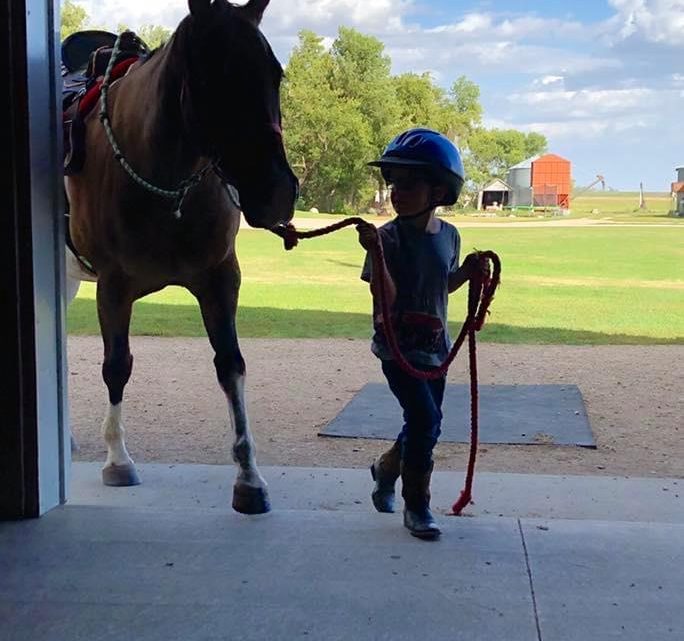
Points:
[(549, 81), (586, 103), (135, 14), (492, 27), (658, 21)]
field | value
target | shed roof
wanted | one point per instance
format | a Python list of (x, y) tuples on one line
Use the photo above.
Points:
[(497, 185)]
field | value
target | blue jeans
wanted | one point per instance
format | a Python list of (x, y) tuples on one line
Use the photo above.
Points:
[(422, 405)]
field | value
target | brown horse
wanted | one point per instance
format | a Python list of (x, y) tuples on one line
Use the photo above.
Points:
[(210, 98)]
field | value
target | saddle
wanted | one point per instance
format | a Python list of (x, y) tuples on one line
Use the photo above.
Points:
[(85, 56)]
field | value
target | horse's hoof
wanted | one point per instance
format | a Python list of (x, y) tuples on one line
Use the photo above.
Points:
[(120, 475), (250, 500)]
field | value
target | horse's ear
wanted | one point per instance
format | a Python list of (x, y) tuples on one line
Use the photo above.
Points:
[(199, 8), (254, 11)]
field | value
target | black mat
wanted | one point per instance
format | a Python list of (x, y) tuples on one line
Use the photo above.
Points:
[(513, 414)]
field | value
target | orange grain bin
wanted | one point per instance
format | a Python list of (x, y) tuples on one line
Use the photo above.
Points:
[(551, 181)]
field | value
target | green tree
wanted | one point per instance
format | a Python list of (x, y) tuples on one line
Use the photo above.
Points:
[(328, 139), (361, 76), (420, 101), (154, 35), (491, 152), (465, 101), (73, 18), (341, 106)]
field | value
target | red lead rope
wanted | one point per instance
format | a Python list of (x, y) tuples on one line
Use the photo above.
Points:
[(481, 291)]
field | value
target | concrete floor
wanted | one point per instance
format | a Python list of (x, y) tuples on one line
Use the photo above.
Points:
[(541, 558)]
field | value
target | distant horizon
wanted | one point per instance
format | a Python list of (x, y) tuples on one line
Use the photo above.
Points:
[(602, 80)]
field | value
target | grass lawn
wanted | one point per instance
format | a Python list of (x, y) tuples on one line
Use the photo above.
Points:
[(588, 285), (596, 205)]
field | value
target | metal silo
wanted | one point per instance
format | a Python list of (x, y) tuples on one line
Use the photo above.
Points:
[(678, 193), (520, 180)]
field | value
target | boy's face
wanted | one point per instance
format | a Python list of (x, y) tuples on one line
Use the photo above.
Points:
[(411, 192)]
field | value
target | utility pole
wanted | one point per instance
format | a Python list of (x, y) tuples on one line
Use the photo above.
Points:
[(642, 202)]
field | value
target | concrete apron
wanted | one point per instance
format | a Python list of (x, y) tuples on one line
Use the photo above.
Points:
[(571, 558)]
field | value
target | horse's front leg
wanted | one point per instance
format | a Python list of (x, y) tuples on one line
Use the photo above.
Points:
[(114, 306), (217, 294)]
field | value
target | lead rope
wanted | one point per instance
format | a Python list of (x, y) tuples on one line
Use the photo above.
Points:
[(481, 291)]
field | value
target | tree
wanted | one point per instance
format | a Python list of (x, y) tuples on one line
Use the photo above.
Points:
[(342, 106), (361, 76), (465, 100), (420, 101), (73, 18), (328, 139), (491, 152), (154, 35)]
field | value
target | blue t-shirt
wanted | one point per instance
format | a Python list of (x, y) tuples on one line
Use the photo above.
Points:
[(419, 263)]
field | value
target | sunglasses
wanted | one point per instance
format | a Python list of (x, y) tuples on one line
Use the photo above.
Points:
[(407, 182)]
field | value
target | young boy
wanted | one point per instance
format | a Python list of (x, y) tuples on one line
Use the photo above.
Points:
[(424, 170)]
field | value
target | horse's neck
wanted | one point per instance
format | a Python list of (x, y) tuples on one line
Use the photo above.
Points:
[(149, 123)]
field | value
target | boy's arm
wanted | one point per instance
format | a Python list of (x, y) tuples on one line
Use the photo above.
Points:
[(459, 277), (469, 268), (368, 238)]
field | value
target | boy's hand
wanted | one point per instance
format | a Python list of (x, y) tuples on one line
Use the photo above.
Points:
[(474, 265), (368, 235)]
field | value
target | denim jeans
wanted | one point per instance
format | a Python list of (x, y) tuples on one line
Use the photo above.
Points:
[(422, 405)]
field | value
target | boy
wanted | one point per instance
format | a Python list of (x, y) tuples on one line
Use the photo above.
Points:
[(424, 170)]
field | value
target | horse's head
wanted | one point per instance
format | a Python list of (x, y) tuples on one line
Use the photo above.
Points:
[(232, 101)]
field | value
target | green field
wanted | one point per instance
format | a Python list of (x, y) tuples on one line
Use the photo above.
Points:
[(585, 285), (609, 206)]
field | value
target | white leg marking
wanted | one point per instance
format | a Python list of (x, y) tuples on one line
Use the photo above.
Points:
[(244, 451), (113, 431)]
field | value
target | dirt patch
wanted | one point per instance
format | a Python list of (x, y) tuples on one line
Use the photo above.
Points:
[(175, 412)]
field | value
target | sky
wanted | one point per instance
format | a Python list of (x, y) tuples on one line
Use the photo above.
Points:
[(602, 79)]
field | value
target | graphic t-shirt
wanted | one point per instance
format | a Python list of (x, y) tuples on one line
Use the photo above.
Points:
[(419, 263)]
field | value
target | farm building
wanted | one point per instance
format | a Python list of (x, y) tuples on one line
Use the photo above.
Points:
[(520, 179), (540, 181), (678, 193), (551, 182), (496, 195)]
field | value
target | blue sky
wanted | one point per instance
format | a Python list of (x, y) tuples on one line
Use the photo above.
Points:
[(602, 79)]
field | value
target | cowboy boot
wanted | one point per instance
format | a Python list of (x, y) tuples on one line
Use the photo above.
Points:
[(416, 492), (385, 472)]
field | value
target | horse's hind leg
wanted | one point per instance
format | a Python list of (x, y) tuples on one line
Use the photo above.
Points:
[(114, 306), (217, 294)]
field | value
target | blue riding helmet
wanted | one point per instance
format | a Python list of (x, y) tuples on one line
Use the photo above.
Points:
[(430, 150)]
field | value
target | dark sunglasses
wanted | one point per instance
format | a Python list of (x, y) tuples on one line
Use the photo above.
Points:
[(406, 183)]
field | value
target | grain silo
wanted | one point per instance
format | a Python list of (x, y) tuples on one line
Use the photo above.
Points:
[(678, 193), (551, 181), (520, 181)]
